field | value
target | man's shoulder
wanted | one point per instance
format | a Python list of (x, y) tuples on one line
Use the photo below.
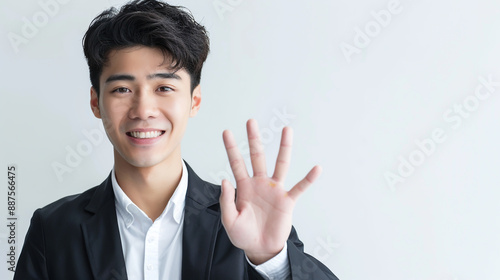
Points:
[(71, 209), (68, 203)]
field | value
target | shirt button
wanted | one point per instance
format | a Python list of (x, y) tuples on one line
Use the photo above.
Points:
[(149, 266), (151, 239)]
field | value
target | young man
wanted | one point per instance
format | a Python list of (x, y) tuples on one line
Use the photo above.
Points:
[(153, 217)]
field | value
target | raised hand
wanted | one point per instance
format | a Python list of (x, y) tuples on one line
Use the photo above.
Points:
[(260, 219)]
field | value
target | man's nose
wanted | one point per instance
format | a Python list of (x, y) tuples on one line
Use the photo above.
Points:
[(144, 106)]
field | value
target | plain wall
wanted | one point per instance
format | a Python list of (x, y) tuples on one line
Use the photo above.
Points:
[(404, 90)]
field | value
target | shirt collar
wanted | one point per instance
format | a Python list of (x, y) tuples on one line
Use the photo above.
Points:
[(128, 209), (179, 197)]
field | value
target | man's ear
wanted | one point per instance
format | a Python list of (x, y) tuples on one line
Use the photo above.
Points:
[(195, 101), (94, 103)]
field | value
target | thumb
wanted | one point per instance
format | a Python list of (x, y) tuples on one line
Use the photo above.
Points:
[(227, 203)]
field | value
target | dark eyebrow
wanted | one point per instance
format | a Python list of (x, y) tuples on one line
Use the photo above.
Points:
[(120, 77), (123, 77), (164, 76)]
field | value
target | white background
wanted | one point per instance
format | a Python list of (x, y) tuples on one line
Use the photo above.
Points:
[(358, 115)]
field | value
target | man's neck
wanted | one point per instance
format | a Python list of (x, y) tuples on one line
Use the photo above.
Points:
[(150, 188)]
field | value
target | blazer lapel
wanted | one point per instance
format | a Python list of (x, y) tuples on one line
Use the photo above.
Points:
[(102, 237), (201, 225)]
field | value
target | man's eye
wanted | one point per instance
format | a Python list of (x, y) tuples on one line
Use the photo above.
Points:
[(121, 90), (165, 88)]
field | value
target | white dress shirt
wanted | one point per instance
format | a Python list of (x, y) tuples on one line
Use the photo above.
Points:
[(153, 250)]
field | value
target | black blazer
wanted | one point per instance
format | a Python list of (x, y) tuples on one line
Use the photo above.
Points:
[(77, 237)]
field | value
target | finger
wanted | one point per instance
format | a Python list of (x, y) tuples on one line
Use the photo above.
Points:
[(284, 154), (227, 204), (256, 150), (235, 159), (301, 186)]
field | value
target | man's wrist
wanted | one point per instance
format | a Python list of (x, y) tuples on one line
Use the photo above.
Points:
[(275, 268), (260, 258)]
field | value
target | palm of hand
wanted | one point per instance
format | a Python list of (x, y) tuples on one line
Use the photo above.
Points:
[(260, 219)]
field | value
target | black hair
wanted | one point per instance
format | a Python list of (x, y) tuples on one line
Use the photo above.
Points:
[(151, 23)]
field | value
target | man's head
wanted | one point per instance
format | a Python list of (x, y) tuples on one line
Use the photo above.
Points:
[(145, 63), (147, 23)]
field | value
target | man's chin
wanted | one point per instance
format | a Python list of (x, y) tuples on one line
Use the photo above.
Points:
[(139, 161), (142, 159), (144, 163)]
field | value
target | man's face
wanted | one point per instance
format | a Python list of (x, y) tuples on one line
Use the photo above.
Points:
[(144, 106)]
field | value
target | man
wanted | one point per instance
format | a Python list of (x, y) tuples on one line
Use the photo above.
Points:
[(153, 217)]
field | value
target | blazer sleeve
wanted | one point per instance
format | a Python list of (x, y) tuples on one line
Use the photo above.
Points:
[(303, 266), (32, 262)]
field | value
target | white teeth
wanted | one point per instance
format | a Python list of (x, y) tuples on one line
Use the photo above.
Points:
[(148, 134)]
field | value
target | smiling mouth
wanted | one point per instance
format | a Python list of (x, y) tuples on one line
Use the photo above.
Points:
[(145, 135)]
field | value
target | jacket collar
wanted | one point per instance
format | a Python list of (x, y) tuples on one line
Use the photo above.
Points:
[(201, 225), (102, 237)]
